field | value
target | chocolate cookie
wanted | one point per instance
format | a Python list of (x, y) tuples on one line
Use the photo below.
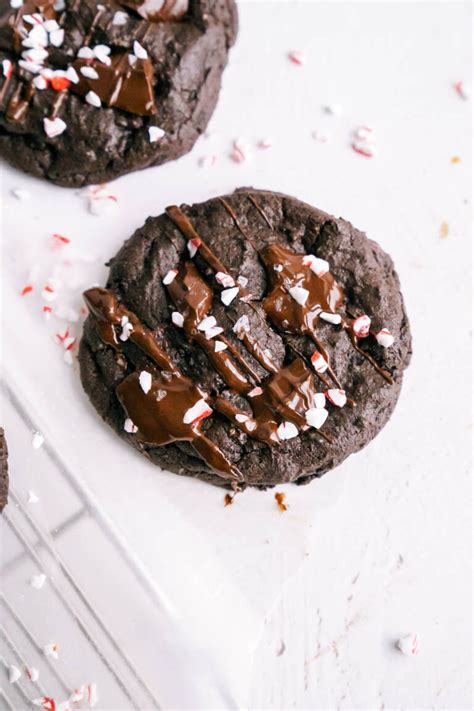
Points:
[(91, 90), (3, 470), (249, 340)]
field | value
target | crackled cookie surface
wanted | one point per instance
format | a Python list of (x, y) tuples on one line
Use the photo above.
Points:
[(92, 90), (247, 340)]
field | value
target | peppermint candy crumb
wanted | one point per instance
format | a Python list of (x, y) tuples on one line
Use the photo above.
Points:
[(193, 246), (296, 56), (460, 90), (38, 581), (336, 397), (206, 323), (127, 328), (220, 346), (241, 325), (361, 326), (14, 674), (32, 673), (287, 430), (265, 143), (32, 497), (256, 391), (299, 294), (155, 133), (319, 266), (335, 319), (197, 412), (129, 427), (225, 280), (145, 381), (170, 277), (177, 319), (37, 440), (120, 18), (409, 644), (46, 703), (316, 417), (213, 332), (228, 295), (384, 338), (318, 362), (54, 127), (51, 650)]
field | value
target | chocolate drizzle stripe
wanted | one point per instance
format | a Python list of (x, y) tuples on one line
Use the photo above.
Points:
[(260, 210)]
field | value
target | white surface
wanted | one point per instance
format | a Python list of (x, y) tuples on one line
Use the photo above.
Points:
[(385, 538)]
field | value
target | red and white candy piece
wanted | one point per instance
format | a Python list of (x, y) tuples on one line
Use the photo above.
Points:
[(7, 68), (319, 266), (129, 427), (336, 397), (177, 319), (213, 332), (193, 246), (361, 326), (228, 295), (239, 152), (155, 133), (13, 674), (32, 674), (145, 381), (409, 644), (461, 90), (38, 581), (225, 280), (46, 703), (170, 277), (287, 430), (299, 294), (51, 650), (296, 56), (54, 127), (319, 362), (92, 695), (265, 143), (197, 412), (220, 346), (255, 392), (316, 417), (206, 323), (384, 338), (335, 319)]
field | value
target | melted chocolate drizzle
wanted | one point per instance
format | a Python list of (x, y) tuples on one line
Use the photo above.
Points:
[(284, 396)]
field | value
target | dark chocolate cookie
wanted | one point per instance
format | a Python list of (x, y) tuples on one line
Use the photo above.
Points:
[(3, 470), (91, 90), (248, 340)]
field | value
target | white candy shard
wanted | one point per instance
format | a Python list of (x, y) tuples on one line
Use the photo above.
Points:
[(89, 72), (228, 295), (170, 277), (208, 322), (37, 440), (225, 280), (220, 346), (287, 430), (37, 581), (316, 417), (177, 319), (120, 18), (336, 397), (213, 332), (85, 53), (385, 338), (129, 427), (193, 246), (319, 362), (361, 326), (139, 51), (317, 265), (33, 673), (155, 133), (320, 400), (54, 127), (145, 381), (127, 328), (197, 412), (256, 391), (51, 650), (299, 294), (330, 318), (92, 695), (241, 418), (93, 99), (102, 52), (241, 325), (243, 281), (56, 37), (32, 497), (13, 674), (409, 644)]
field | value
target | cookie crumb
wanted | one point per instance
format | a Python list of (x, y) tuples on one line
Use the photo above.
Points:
[(228, 500), (455, 159), (443, 230), (280, 498)]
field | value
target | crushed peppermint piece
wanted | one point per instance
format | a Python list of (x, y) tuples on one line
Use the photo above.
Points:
[(102, 52), (155, 133), (92, 695), (46, 703), (32, 497), (127, 328), (58, 240), (319, 266), (89, 72), (336, 397), (213, 332), (316, 417), (145, 381), (319, 401), (364, 142), (225, 280), (193, 246), (243, 281), (287, 430), (100, 197), (241, 417), (37, 440), (197, 412), (228, 295), (93, 99), (120, 18), (85, 53), (139, 51), (7, 68), (280, 499), (321, 136), (255, 392), (26, 290), (49, 293), (331, 318), (51, 650), (299, 294), (129, 427), (242, 324), (361, 326), (220, 346), (13, 674), (32, 673), (239, 153), (319, 362), (461, 90), (38, 581), (177, 319), (54, 127), (208, 161), (265, 143), (60, 83), (278, 267), (296, 56), (409, 644), (15, 4), (206, 323), (170, 277), (384, 338), (56, 37)]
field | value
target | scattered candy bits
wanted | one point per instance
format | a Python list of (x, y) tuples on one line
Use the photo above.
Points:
[(409, 644), (363, 142), (280, 499), (86, 694)]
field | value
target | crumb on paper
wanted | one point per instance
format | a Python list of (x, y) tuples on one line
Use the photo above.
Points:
[(444, 230), (455, 159), (228, 500), (280, 499)]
